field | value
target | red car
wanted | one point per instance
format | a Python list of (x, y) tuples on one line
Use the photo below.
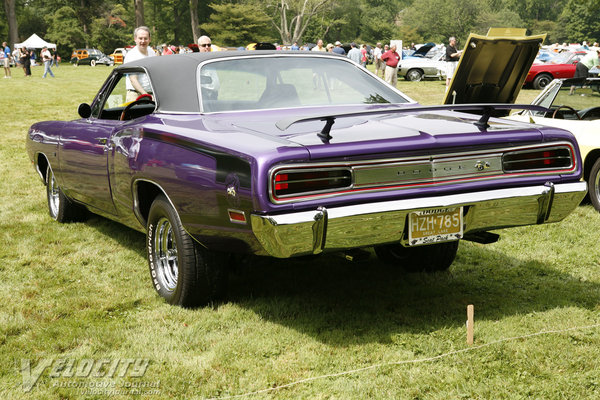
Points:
[(561, 66)]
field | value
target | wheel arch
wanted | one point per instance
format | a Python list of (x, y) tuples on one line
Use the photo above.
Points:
[(41, 166), (144, 194), (589, 161)]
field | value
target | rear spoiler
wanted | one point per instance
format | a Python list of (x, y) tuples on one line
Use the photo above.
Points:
[(487, 110)]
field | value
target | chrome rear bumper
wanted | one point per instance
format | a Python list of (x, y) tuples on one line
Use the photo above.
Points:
[(346, 227)]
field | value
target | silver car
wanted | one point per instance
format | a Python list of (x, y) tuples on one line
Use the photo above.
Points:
[(416, 69)]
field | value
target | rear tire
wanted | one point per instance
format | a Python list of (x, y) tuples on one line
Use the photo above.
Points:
[(182, 271), (430, 258), (61, 209), (594, 185), (93, 63)]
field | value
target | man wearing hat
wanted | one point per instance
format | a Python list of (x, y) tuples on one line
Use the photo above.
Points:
[(47, 59), (338, 49)]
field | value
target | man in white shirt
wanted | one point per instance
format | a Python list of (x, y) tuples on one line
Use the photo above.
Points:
[(138, 84), (210, 85), (47, 59), (379, 65)]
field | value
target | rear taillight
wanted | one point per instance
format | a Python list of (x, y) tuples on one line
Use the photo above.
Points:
[(287, 183), (554, 158)]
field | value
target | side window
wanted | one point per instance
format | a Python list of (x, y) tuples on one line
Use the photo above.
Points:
[(117, 98), (122, 92)]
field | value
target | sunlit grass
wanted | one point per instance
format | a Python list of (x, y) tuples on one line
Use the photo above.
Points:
[(81, 291)]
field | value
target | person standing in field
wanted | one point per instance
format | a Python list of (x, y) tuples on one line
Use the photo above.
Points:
[(26, 61), (47, 59), (377, 56), (452, 57), (6, 61), (138, 84), (391, 58)]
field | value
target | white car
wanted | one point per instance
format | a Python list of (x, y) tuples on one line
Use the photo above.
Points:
[(574, 105), (493, 69), (416, 69)]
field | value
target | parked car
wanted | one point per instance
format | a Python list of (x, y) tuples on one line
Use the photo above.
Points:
[(574, 104), (90, 57), (561, 66), (118, 55), (544, 56), (418, 68), (288, 154)]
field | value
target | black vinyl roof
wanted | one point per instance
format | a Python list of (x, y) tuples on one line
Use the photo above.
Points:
[(174, 77)]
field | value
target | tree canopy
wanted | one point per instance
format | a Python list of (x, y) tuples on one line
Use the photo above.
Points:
[(107, 24)]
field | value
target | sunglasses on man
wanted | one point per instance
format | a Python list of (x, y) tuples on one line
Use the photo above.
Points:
[(205, 45)]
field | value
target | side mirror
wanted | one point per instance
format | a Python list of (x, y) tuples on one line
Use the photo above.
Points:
[(205, 80), (84, 110)]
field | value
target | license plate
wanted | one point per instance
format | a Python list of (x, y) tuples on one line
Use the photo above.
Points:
[(435, 225)]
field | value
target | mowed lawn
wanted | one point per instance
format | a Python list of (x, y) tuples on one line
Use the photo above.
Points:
[(78, 296)]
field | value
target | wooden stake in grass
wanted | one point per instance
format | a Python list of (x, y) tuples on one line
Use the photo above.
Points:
[(470, 314)]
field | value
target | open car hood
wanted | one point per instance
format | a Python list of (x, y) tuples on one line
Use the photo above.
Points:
[(493, 68), (423, 50)]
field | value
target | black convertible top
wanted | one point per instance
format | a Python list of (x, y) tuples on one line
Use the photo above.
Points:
[(174, 77)]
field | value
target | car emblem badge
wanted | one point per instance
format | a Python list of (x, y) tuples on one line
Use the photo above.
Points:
[(482, 165)]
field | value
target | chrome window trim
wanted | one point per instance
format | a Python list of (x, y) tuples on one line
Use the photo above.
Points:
[(284, 55)]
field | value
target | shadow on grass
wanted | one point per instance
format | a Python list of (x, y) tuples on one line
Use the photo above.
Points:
[(342, 303)]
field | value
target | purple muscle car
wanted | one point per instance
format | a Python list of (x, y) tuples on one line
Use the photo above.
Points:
[(290, 154)]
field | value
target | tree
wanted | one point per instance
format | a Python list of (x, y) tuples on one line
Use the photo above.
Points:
[(65, 30), (580, 21), (245, 22), (110, 30), (11, 16), (535, 10), (139, 12), (436, 21), (194, 20), (291, 17)]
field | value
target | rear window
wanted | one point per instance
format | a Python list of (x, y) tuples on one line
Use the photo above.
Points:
[(277, 82)]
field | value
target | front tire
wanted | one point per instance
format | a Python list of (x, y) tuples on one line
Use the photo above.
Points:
[(414, 75), (594, 185), (182, 271), (430, 258), (93, 63), (541, 81), (61, 209)]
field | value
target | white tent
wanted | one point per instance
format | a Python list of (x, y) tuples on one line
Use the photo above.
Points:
[(35, 42)]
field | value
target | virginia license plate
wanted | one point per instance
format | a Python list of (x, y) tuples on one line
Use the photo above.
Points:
[(435, 225)]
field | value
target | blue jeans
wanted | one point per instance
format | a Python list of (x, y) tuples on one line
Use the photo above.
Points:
[(47, 69)]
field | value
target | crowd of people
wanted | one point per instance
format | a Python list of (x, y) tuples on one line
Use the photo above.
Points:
[(386, 58), (26, 58)]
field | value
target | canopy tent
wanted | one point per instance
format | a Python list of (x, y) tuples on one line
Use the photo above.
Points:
[(35, 42)]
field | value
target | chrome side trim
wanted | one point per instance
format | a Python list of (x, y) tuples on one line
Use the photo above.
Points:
[(396, 173), (346, 227)]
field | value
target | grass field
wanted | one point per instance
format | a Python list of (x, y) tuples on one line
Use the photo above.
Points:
[(79, 318)]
